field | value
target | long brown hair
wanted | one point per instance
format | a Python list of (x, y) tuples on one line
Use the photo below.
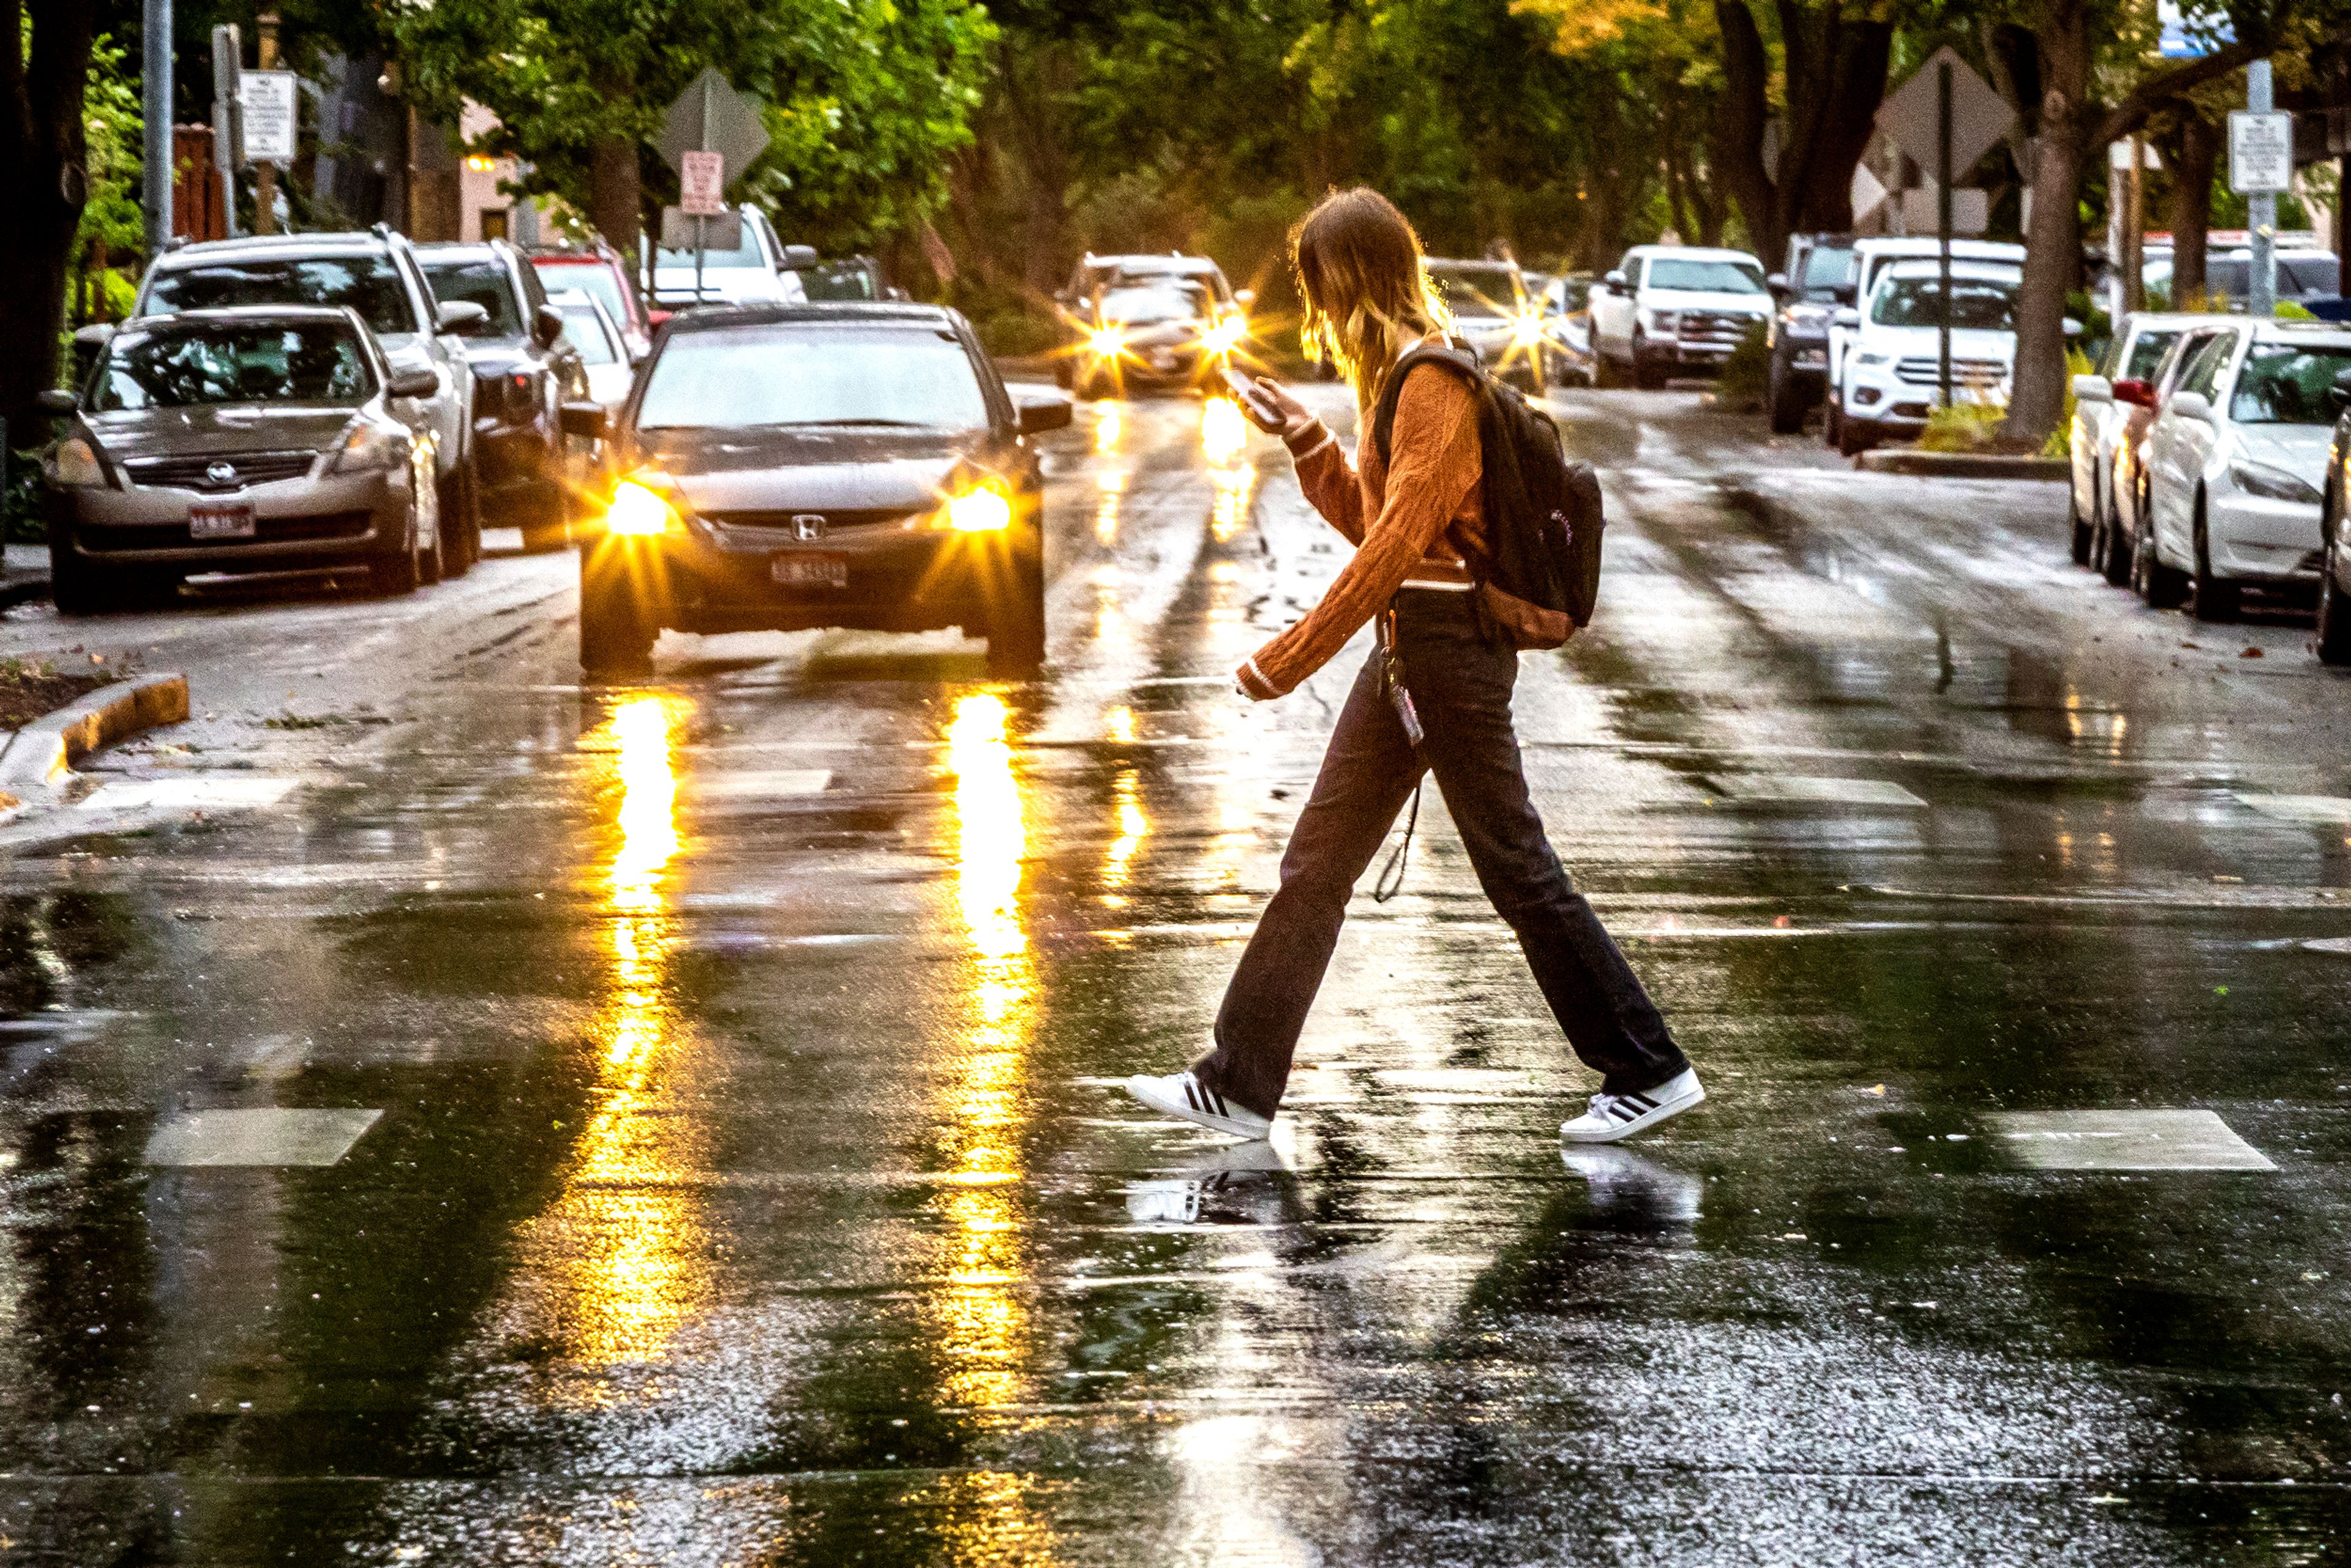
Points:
[(1360, 278)]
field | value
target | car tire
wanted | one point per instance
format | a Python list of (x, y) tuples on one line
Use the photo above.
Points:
[(1786, 406), (461, 521), (1855, 436), (1605, 376), (2078, 527), (2115, 551), (2334, 614), (78, 588), (1832, 422), (1647, 377), (617, 629), (1016, 637), (2162, 586), (2216, 597)]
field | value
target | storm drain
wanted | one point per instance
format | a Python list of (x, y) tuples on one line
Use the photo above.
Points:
[(2126, 1141), (266, 1136), (1800, 790)]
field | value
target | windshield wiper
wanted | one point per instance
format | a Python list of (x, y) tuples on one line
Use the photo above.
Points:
[(892, 423)]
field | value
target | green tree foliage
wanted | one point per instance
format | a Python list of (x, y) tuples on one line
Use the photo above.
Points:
[(112, 227)]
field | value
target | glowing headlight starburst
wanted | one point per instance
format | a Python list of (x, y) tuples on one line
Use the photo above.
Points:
[(984, 508), (1107, 342), (638, 512), (1225, 335)]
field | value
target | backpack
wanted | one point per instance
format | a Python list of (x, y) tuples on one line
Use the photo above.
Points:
[(1543, 518)]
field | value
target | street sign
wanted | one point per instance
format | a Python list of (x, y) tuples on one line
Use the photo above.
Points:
[(684, 231), (1970, 210), (1868, 192), (1980, 116), (710, 116), (2176, 40), (2261, 152), (228, 120), (701, 184), (270, 116)]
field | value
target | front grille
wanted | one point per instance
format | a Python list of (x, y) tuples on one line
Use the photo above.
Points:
[(195, 473), (103, 540), (756, 530), (1926, 371), (1714, 328)]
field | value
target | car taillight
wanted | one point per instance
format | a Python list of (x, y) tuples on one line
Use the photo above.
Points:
[(518, 399)]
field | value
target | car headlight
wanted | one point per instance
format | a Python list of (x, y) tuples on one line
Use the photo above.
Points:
[(2271, 483), (1807, 315), (983, 508), (1527, 328), (1873, 359), (639, 511), (1225, 335), (76, 465), (1664, 320), (1107, 342), (370, 446)]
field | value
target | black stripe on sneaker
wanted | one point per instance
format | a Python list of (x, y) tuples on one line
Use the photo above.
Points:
[(1624, 1111), (1643, 1100), (1189, 1098), (1219, 1099)]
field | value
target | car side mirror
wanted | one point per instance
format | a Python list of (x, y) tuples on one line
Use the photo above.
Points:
[(1244, 298), (462, 316), (97, 335), (2137, 394), (546, 326), (2092, 389), (1777, 283), (1035, 416), (797, 256), (2073, 328), (2192, 406), (583, 419), (1615, 281), (413, 383), (1847, 316), (57, 400), (1848, 293)]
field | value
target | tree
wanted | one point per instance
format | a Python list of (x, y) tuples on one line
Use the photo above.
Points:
[(1833, 62), (44, 184)]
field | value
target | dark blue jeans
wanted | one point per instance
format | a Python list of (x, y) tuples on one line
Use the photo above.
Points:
[(1461, 682)]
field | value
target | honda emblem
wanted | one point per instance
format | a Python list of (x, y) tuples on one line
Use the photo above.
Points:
[(806, 526), (222, 474)]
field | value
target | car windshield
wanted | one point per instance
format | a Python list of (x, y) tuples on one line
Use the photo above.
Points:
[(844, 280), (1478, 291), (189, 367), (745, 254), (1167, 302), (366, 282), (594, 279), (1827, 269), (1980, 303), (2286, 383), (2147, 353), (1704, 277), (1572, 294), (587, 334), (794, 374), (482, 282)]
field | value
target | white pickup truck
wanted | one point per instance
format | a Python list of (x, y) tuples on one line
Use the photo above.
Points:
[(1675, 309), (757, 268)]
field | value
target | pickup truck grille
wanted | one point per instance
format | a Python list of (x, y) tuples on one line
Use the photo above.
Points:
[(1925, 371), (1714, 328), (195, 473)]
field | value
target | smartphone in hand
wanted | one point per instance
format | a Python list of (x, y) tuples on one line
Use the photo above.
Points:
[(1255, 403)]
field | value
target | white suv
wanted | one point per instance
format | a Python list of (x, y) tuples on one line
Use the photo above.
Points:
[(759, 269), (1892, 372), (1675, 309)]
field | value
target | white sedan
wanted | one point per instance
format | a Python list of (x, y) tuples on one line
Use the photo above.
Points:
[(2235, 464), (602, 348)]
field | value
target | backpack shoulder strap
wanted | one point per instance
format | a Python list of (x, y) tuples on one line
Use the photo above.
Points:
[(1460, 361)]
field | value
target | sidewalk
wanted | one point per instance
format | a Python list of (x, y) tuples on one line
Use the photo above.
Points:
[(24, 574)]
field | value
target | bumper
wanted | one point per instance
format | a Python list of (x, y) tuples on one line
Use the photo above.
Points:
[(895, 579), (1803, 361), (1684, 359), (297, 523), (2257, 539)]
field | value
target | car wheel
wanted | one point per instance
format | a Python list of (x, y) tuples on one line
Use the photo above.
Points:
[(1832, 422), (2115, 551), (2163, 587), (617, 629), (461, 521), (78, 588), (1787, 409), (1605, 376), (552, 532), (1855, 436), (1647, 377), (2334, 614), (2216, 598), (1016, 638), (2078, 527)]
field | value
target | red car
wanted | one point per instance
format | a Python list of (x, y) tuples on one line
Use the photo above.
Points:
[(600, 273)]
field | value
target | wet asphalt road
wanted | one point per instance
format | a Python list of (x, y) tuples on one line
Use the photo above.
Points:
[(709, 1087)]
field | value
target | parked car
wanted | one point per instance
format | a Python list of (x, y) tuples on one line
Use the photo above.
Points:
[(525, 370), (599, 271), (376, 273), (2128, 532), (2113, 406), (1670, 311), (1807, 295), (2335, 562), (757, 267), (847, 278), (1892, 368), (1149, 321), (603, 356), (250, 439), (2229, 276), (795, 466), (1871, 257), (1498, 311), (2236, 463)]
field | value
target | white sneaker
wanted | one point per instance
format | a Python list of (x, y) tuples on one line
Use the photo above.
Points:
[(1182, 1095), (1613, 1116)]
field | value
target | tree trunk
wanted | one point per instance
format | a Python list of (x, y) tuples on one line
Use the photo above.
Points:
[(615, 193), (1835, 79), (2053, 245), (2192, 168), (44, 182)]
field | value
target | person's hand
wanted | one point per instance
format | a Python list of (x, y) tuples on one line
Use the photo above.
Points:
[(1295, 416)]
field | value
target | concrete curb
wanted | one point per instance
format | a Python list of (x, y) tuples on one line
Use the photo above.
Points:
[(1965, 464), (50, 745)]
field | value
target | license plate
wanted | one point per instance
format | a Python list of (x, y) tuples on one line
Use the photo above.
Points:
[(810, 570), (220, 519)]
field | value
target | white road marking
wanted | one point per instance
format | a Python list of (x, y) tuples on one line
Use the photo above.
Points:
[(217, 793), (2126, 1141), (1796, 788), (2321, 809), (761, 785), (268, 1136)]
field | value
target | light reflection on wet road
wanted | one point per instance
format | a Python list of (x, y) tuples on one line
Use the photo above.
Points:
[(750, 1185)]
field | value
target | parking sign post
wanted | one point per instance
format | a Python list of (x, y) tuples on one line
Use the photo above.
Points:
[(2261, 164)]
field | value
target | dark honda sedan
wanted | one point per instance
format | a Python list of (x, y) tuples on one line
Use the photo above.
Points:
[(780, 466)]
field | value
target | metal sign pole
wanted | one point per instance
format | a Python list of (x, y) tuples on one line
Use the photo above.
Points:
[(701, 223), (2262, 207), (155, 52), (1943, 222)]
